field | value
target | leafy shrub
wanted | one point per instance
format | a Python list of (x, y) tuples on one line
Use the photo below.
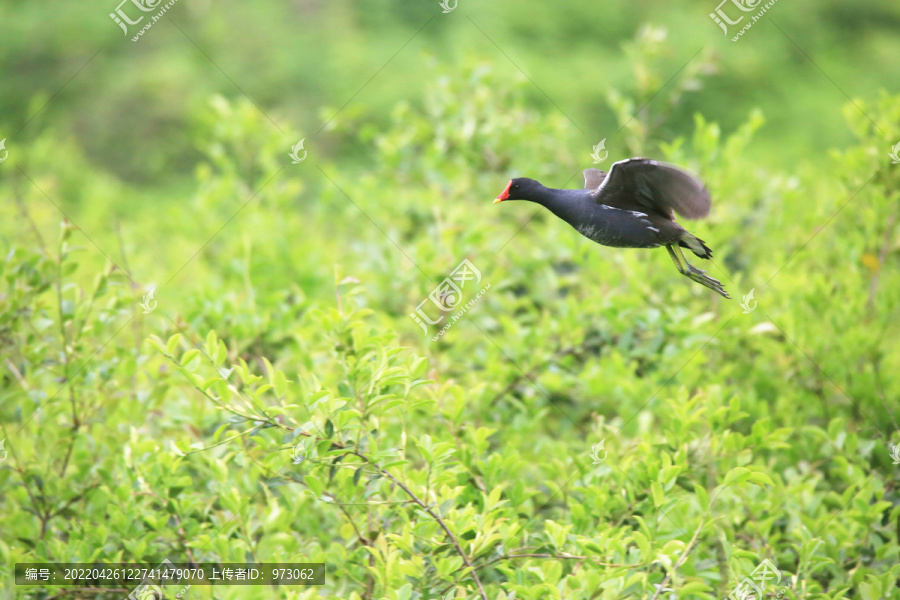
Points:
[(258, 420)]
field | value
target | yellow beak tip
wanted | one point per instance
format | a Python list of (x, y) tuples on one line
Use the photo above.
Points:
[(497, 200)]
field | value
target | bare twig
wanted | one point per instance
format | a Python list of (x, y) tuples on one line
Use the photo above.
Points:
[(67, 357), (370, 578), (17, 374), (436, 517), (73, 500), (359, 535), (687, 552), (625, 514), (517, 554), (43, 515), (178, 522), (225, 441), (564, 556), (530, 374)]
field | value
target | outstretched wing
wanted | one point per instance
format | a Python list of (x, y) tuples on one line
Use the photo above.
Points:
[(593, 178), (640, 183)]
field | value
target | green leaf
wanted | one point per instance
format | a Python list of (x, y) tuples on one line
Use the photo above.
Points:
[(760, 478), (656, 491), (737, 475), (211, 345), (702, 496), (189, 356), (158, 344), (172, 344), (221, 353), (315, 484)]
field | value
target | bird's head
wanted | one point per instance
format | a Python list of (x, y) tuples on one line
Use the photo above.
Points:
[(520, 188)]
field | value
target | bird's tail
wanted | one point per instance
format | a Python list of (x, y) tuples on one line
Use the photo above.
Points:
[(695, 245)]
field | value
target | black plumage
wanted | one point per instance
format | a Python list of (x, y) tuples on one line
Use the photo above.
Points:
[(632, 206)]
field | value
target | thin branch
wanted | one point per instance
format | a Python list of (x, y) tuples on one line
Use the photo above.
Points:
[(370, 577), (687, 552), (67, 358), (44, 516), (564, 557), (225, 441), (73, 500), (17, 374), (530, 374), (359, 534), (625, 514), (178, 522), (436, 517)]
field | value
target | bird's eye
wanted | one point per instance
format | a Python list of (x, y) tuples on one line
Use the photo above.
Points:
[(515, 187)]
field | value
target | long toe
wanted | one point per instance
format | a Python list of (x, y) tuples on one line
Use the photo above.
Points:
[(703, 279), (714, 285)]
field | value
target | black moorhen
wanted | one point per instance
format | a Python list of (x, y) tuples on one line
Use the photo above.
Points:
[(630, 207)]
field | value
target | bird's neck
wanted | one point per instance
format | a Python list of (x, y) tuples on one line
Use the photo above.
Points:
[(565, 204)]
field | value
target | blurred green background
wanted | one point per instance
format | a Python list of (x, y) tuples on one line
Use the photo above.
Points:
[(139, 113), (284, 293)]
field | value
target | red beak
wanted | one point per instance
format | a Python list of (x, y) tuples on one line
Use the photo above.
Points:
[(504, 194)]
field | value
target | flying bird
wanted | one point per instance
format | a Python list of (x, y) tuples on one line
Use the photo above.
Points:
[(632, 206)]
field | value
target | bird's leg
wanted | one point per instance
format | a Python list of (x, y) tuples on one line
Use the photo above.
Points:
[(693, 273)]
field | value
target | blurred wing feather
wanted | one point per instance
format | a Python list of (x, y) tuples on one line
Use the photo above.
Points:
[(640, 183)]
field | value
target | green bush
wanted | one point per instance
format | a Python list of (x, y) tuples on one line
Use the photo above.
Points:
[(462, 467)]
